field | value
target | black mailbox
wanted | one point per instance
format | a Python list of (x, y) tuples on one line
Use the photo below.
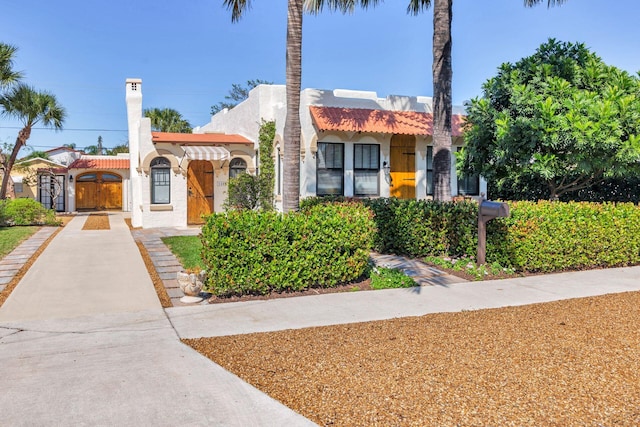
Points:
[(493, 209)]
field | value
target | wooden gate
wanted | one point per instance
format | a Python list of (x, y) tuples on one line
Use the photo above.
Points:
[(199, 191), (403, 167), (98, 190)]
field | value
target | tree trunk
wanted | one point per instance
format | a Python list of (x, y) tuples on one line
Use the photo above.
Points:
[(21, 140), (442, 76), (291, 179)]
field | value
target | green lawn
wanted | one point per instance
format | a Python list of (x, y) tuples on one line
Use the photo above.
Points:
[(187, 249), (11, 237)]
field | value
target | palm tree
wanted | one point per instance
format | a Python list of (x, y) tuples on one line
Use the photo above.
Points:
[(167, 120), (292, 129), (7, 75), (30, 107), (442, 76)]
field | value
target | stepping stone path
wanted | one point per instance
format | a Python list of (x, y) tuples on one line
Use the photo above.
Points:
[(165, 263)]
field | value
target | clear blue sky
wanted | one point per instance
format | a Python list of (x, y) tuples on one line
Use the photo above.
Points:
[(188, 53)]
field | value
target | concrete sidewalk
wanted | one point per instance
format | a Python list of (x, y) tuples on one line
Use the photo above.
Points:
[(84, 341), (351, 307)]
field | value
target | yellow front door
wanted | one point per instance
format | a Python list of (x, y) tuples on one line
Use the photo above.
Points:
[(403, 167), (199, 190)]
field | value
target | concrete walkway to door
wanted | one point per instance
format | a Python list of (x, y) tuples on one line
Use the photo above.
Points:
[(84, 341)]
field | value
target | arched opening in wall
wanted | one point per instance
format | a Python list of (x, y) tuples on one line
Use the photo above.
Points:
[(236, 167), (98, 191)]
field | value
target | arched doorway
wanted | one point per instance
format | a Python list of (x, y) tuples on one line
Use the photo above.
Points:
[(403, 167), (199, 190), (98, 190)]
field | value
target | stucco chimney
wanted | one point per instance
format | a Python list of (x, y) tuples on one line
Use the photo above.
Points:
[(133, 98)]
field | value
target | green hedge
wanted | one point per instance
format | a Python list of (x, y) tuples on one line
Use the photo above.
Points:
[(553, 236), (248, 252), (419, 228), (537, 237), (25, 212)]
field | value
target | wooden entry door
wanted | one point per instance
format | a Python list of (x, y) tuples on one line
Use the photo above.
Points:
[(199, 190), (403, 167), (98, 190)]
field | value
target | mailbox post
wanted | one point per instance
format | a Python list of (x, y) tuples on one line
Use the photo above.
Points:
[(487, 210)]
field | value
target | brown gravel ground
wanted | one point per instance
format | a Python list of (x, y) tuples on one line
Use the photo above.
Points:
[(97, 221), (566, 363)]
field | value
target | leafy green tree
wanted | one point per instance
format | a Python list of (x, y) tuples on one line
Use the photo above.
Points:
[(237, 94), (292, 127), (442, 76), (29, 107), (167, 120), (561, 116)]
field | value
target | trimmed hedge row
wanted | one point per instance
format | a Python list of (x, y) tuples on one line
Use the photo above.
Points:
[(248, 252), (553, 236), (419, 228), (538, 236)]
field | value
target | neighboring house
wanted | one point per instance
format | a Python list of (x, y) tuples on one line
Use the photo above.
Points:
[(44, 180), (70, 180), (352, 144)]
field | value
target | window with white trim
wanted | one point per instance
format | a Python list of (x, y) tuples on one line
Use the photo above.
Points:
[(160, 181), (330, 169), (366, 165)]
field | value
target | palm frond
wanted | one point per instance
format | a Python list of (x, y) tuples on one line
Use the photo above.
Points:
[(417, 6), (550, 3), (237, 8)]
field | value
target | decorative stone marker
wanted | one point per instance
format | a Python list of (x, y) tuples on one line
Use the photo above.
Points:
[(191, 285)]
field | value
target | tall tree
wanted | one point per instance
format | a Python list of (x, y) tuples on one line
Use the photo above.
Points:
[(561, 116), (237, 94), (8, 75), (30, 107), (292, 128), (167, 120), (442, 76)]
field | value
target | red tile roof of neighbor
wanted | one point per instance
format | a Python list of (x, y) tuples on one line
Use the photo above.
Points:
[(198, 138), (88, 162), (379, 121)]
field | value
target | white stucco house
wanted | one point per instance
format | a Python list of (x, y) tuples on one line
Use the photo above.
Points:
[(353, 143)]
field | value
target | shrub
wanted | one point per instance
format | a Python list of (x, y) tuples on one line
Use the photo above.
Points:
[(390, 278), (552, 236), (248, 252), (244, 192), (26, 212), (421, 227)]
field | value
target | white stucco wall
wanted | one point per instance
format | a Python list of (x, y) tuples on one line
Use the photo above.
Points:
[(269, 102)]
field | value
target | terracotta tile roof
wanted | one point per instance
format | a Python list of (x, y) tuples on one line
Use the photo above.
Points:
[(198, 138), (100, 162), (378, 121)]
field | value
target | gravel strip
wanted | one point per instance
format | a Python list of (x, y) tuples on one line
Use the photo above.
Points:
[(97, 221), (565, 363)]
